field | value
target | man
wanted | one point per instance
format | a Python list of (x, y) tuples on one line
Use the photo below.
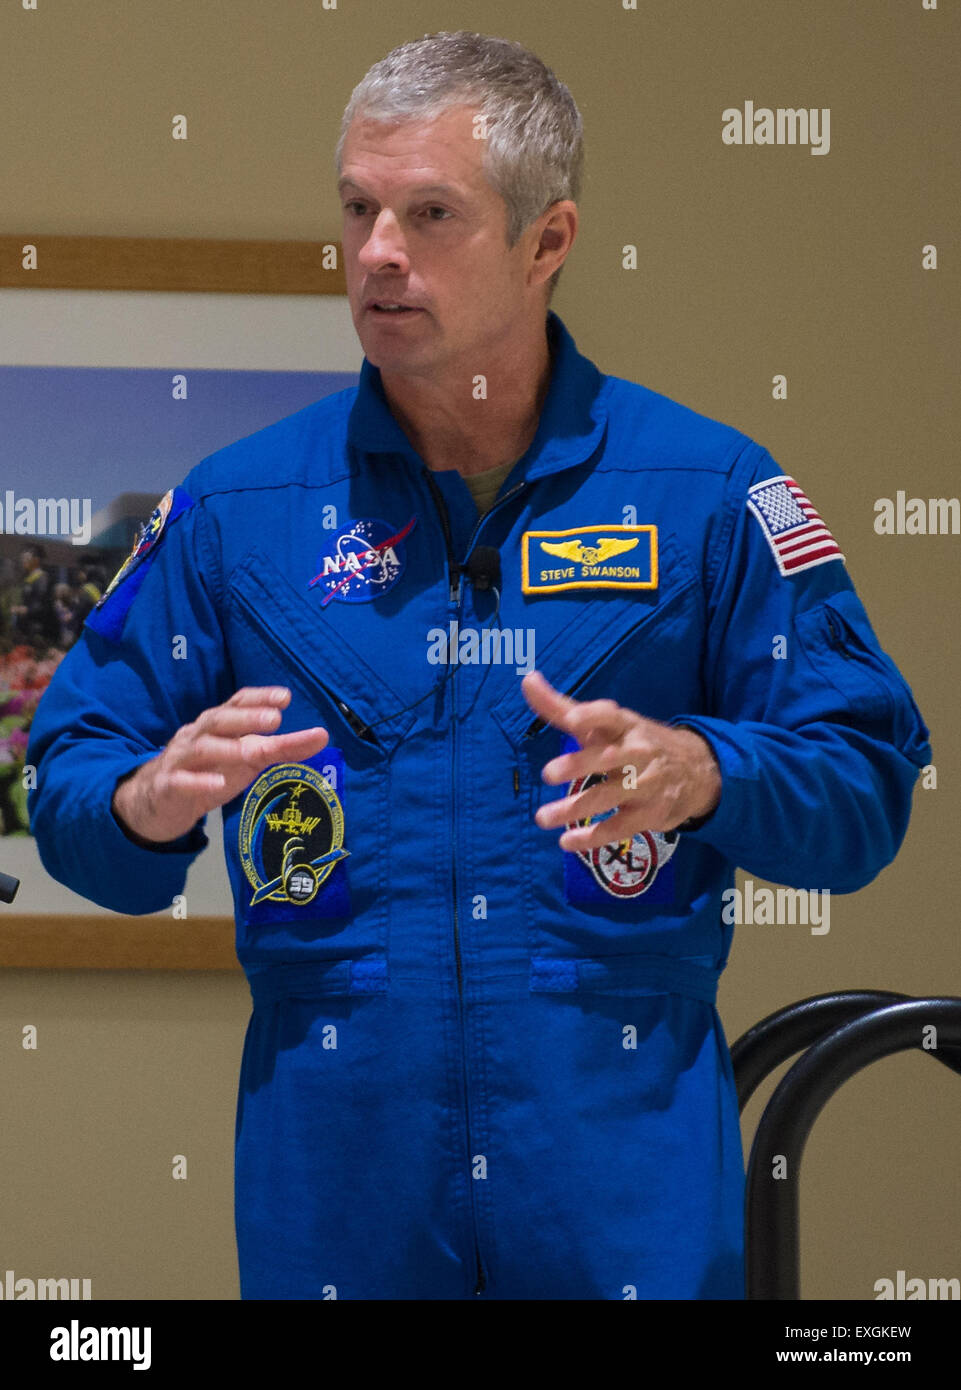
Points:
[(484, 1060), (87, 589), (32, 613)]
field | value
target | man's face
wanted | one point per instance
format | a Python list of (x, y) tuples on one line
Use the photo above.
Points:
[(422, 226)]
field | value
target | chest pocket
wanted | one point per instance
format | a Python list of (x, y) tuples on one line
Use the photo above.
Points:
[(646, 653), (328, 671), (329, 936), (643, 650)]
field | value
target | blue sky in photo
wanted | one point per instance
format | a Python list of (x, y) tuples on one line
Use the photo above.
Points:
[(99, 431)]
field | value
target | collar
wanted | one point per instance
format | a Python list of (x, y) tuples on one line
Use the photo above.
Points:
[(572, 422)]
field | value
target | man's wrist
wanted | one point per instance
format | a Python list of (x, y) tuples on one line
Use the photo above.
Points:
[(712, 777), (116, 802)]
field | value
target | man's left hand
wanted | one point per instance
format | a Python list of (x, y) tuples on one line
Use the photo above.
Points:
[(664, 776)]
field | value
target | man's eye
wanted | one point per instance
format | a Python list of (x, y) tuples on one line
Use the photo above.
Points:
[(444, 211), (355, 203)]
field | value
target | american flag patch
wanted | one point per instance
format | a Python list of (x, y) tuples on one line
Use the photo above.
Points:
[(792, 527)]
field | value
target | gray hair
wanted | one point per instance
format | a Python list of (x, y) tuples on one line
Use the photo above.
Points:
[(534, 150)]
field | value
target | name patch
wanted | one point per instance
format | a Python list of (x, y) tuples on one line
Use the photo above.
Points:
[(589, 557)]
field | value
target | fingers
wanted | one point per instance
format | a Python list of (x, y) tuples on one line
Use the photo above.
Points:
[(599, 719), (583, 761), (544, 700), (285, 748), (204, 786), (277, 695), (223, 779), (231, 721), (653, 804), (303, 742), (589, 720), (593, 802), (248, 752), (252, 709), (208, 762), (620, 827), (233, 737)]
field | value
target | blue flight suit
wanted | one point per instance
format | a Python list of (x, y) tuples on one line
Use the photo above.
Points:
[(478, 1065)]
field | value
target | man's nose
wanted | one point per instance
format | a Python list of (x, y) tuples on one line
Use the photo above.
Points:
[(385, 245)]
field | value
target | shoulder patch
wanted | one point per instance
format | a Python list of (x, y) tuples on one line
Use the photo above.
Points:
[(795, 533), (109, 614)]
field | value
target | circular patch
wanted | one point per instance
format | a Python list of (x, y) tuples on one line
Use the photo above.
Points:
[(361, 561), (623, 868), (291, 834)]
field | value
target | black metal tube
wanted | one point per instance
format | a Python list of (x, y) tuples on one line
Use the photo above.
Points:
[(771, 1206), (776, 1038)]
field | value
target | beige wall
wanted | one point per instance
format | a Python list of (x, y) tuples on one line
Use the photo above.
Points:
[(753, 261)]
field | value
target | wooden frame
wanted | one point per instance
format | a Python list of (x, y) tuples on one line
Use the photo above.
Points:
[(171, 263), (74, 942), (156, 942)]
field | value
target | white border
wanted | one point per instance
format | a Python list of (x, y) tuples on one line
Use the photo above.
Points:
[(127, 328)]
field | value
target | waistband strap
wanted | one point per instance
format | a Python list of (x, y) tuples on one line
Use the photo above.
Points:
[(316, 979), (634, 975), (627, 975)]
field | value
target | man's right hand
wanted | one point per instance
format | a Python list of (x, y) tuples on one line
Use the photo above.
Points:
[(208, 762)]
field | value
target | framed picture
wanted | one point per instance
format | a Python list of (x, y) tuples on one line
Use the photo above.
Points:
[(123, 363)]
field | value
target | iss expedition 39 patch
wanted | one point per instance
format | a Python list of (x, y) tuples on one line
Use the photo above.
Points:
[(292, 841), (623, 869)]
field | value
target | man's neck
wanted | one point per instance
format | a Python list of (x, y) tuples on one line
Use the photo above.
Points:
[(475, 434)]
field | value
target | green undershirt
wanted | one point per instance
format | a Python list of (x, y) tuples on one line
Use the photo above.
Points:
[(485, 486)]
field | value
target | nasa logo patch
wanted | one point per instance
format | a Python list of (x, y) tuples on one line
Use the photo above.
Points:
[(291, 840), (361, 561), (623, 869)]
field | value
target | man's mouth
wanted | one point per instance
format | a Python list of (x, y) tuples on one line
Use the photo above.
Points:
[(398, 310)]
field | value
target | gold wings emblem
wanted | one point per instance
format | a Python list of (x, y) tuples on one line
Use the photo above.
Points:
[(589, 554)]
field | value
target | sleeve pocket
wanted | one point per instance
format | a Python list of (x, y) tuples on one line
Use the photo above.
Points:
[(841, 645)]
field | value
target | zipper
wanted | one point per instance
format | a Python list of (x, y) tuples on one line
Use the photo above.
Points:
[(353, 720), (454, 571), (480, 1279), (837, 641), (866, 660), (481, 519), (453, 568)]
